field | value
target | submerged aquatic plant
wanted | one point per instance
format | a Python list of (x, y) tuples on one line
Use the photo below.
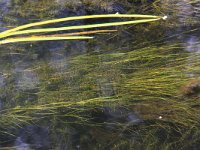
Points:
[(21, 30), (148, 80)]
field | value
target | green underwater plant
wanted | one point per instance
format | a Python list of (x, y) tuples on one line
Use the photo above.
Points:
[(147, 80), (21, 30)]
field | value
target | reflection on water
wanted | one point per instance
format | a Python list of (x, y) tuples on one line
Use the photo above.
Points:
[(25, 79), (4, 9), (32, 136), (2, 82), (125, 90), (192, 44)]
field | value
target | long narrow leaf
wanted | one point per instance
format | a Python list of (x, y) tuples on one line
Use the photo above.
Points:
[(77, 18), (29, 39), (84, 32), (54, 36), (81, 27)]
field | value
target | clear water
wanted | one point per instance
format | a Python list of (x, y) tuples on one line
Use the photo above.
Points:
[(137, 88)]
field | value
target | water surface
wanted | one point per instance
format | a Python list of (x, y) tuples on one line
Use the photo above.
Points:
[(138, 88)]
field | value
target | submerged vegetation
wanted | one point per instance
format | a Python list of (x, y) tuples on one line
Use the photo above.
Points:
[(91, 86), (137, 88)]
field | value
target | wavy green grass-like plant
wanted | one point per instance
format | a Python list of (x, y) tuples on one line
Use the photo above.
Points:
[(21, 30), (147, 80), (165, 75)]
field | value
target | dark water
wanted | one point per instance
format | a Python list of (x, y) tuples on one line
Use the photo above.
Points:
[(138, 88)]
